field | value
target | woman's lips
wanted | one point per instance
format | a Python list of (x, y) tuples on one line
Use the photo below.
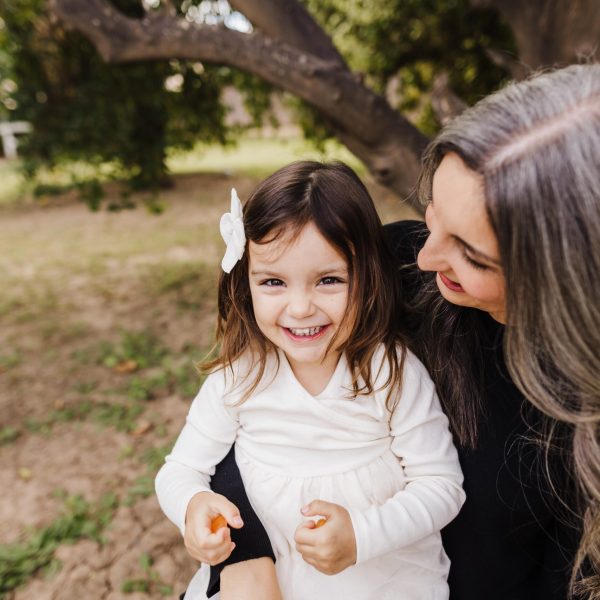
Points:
[(451, 285)]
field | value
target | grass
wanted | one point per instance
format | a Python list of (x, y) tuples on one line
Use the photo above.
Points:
[(149, 582), (251, 155), (153, 458), (257, 156), (13, 183), (135, 350), (80, 520), (148, 371)]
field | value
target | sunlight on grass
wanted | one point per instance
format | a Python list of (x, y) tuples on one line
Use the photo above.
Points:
[(251, 155), (257, 157), (12, 182)]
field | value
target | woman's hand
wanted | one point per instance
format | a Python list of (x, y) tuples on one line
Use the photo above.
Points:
[(330, 548), (200, 542)]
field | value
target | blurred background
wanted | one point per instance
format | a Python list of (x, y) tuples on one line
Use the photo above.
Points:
[(124, 125)]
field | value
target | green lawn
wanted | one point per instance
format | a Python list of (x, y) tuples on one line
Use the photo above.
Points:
[(252, 156)]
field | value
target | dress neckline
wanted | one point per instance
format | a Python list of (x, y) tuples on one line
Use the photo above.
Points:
[(334, 380)]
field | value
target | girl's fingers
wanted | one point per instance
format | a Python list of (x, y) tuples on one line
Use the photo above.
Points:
[(319, 507), (222, 506), (220, 538), (305, 535), (219, 558), (306, 551)]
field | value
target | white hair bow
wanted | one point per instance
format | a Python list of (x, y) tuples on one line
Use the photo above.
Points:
[(232, 231)]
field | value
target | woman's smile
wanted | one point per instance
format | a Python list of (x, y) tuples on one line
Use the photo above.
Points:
[(452, 285)]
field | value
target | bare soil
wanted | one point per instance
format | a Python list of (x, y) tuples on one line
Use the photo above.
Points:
[(76, 285)]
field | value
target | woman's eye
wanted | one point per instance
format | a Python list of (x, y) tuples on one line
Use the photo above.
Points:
[(272, 282), (474, 263)]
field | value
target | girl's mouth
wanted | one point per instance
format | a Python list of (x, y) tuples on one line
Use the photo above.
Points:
[(451, 285), (305, 334)]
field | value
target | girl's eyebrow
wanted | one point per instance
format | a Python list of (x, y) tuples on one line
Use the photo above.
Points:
[(267, 273), (476, 252), (331, 269)]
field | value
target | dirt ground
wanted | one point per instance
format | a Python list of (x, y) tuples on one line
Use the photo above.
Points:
[(102, 319)]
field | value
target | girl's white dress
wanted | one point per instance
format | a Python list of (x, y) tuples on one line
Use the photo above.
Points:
[(396, 473)]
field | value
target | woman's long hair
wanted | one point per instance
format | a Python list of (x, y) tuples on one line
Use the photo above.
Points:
[(333, 198), (537, 146)]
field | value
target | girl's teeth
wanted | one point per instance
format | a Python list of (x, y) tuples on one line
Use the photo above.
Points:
[(306, 331)]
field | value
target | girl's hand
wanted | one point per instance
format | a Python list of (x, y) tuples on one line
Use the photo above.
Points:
[(330, 548), (200, 542)]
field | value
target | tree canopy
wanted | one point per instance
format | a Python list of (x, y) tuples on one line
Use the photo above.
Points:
[(380, 75)]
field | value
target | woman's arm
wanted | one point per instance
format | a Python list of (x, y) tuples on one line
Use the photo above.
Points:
[(252, 546)]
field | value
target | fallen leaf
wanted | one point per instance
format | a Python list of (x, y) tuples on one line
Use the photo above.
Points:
[(142, 428), (25, 473), (127, 366)]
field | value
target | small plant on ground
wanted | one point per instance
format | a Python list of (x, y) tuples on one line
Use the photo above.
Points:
[(22, 560), (149, 582), (8, 435), (136, 350)]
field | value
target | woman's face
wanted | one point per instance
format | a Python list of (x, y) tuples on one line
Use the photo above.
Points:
[(462, 247)]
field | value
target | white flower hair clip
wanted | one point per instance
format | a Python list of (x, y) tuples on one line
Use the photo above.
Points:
[(232, 231)]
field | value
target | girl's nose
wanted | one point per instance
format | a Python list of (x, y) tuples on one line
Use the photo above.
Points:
[(300, 305)]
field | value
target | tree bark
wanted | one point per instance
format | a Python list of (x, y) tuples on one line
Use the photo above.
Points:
[(311, 68), (550, 32)]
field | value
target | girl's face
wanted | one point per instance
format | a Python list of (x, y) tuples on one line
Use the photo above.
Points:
[(299, 293), (462, 246)]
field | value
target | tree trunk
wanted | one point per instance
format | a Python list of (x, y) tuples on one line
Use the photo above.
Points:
[(550, 32)]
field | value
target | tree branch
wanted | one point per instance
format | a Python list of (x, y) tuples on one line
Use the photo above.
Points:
[(550, 32), (289, 22), (385, 141), (445, 103)]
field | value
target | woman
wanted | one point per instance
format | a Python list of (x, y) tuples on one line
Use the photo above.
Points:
[(507, 319)]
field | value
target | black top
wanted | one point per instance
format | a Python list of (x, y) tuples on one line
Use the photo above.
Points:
[(508, 542)]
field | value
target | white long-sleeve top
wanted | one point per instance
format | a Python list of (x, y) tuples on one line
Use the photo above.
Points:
[(397, 472)]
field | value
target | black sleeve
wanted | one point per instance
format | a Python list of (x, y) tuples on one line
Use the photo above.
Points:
[(405, 239), (251, 541)]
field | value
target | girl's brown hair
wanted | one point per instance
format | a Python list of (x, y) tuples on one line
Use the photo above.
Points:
[(331, 196)]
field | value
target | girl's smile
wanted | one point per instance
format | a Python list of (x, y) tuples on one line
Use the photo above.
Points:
[(306, 334)]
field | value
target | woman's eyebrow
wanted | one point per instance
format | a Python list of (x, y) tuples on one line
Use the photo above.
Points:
[(476, 252)]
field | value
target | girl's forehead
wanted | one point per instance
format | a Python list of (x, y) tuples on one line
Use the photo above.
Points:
[(308, 245)]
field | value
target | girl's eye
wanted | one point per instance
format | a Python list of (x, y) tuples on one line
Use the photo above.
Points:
[(272, 282), (474, 263), (329, 280)]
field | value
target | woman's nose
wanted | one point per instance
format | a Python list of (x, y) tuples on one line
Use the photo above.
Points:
[(430, 257), (433, 255)]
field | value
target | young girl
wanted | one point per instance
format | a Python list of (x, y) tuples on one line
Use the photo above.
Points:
[(323, 401)]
